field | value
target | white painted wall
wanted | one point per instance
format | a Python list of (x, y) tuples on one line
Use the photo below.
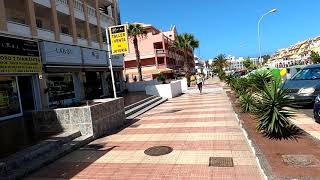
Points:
[(165, 90), (140, 86)]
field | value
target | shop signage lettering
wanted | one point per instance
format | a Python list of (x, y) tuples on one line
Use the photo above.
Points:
[(63, 51), (119, 39), (19, 56)]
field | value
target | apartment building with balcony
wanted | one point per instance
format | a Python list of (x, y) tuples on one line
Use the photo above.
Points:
[(296, 54), (157, 55), (52, 53)]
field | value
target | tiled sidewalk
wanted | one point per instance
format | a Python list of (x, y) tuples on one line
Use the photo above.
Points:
[(196, 126)]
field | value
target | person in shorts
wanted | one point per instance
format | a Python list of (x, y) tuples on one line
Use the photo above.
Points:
[(199, 82)]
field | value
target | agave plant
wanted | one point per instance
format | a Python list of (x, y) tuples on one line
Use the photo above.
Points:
[(229, 79), (258, 80), (240, 86), (246, 102), (274, 111)]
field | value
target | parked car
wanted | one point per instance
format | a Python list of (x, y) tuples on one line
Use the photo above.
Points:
[(304, 86), (239, 73), (291, 71), (316, 109)]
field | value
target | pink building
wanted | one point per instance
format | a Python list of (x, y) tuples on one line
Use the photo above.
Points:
[(157, 55)]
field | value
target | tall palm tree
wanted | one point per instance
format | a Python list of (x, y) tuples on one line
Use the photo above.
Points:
[(185, 42), (220, 62), (135, 31)]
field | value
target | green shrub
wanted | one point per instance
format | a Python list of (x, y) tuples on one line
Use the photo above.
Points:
[(246, 103), (274, 111)]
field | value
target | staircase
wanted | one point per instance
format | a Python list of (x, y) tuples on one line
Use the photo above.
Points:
[(32, 158), (138, 108)]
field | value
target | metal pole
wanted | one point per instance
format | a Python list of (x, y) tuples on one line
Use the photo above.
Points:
[(110, 64), (259, 40)]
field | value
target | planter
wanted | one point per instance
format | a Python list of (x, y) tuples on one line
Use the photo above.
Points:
[(101, 117), (165, 90)]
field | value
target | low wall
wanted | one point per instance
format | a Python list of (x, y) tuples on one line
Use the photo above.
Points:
[(101, 117), (184, 84), (140, 86), (165, 90)]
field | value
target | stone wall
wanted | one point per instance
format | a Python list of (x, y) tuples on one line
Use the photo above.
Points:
[(101, 117)]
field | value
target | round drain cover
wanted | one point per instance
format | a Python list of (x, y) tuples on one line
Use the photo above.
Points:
[(158, 150)]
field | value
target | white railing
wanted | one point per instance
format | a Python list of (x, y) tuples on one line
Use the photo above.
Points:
[(66, 38), (91, 11), (63, 6), (45, 34), (82, 42), (95, 44), (78, 5), (106, 20), (18, 29)]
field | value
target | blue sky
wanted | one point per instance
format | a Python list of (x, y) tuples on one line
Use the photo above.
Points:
[(230, 26)]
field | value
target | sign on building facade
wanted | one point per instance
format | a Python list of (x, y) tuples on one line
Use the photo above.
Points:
[(19, 56)]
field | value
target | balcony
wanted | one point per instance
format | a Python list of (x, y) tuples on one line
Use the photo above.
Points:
[(63, 6), (92, 15), (45, 34), (66, 38), (106, 20), (82, 42), (95, 45), (78, 10), (18, 29), (45, 3)]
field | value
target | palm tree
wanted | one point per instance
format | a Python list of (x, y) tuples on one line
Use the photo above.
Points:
[(185, 42), (220, 62), (135, 31)]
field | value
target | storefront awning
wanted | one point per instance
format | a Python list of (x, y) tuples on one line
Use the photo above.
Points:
[(149, 70)]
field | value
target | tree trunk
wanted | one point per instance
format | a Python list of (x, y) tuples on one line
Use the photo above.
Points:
[(186, 67), (136, 49)]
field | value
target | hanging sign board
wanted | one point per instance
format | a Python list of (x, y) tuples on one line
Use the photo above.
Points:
[(19, 56), (119, 39)]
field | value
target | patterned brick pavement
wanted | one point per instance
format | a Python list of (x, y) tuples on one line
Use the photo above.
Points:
[(196, 126)]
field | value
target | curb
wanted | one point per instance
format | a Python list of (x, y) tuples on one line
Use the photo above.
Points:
[(258, 156)]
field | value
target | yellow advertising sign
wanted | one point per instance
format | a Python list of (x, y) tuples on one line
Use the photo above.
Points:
[(19, 64), (119, 39)]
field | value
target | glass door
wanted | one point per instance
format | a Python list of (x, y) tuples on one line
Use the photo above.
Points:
[(10, 103)]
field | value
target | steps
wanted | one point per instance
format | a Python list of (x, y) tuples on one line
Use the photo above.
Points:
[(134, 110), (32, 158)]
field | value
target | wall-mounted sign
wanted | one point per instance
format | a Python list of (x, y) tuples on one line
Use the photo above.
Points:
[(119, 39), (94, 57), (117, 60), (56, 53), (19, 56)]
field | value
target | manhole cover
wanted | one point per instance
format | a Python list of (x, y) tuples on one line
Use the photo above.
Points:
[(301, 160), (134, 125), (221, 161), (158, 150)]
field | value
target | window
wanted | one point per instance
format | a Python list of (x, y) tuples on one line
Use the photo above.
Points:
[(64, 30), (9, 97), (39, 23), (60, 89)]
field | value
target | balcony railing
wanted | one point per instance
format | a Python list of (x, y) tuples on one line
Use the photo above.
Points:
[(78, 5), (18, 29), (106, 20), (63, 2), (91, 11), (63, 6), (45, 34)]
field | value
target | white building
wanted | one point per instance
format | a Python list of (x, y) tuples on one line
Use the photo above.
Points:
[(237, 63)]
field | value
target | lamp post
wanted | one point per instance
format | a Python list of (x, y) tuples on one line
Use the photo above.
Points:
[(259, 41)]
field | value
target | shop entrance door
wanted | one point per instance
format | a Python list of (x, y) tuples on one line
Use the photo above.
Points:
[(26, 93)]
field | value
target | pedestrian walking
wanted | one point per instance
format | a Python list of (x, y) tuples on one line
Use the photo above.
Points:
[(199, 82)]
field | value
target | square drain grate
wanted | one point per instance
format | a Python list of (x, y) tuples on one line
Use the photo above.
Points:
[(134, 125), (221, 162)]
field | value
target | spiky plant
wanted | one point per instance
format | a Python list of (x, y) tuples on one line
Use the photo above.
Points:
[(274, 111), (229, 79), (258, 80), (246, 102)]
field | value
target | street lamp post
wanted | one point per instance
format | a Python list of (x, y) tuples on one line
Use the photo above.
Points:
[(259, 41)]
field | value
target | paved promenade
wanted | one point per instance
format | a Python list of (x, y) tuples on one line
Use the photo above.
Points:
[(196, 126)]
